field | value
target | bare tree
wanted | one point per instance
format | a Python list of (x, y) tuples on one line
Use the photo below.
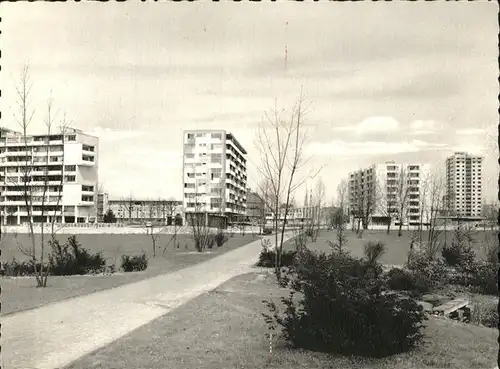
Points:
[(316, 209), (281, 142), (432, 204), (153, 231), (387, 204), (127, 203), (364, 208), (340, 208), (405, 185), (198, 220), (169, 210), (33, 194)]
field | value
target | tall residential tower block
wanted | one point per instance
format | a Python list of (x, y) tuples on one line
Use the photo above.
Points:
[(214, 174)]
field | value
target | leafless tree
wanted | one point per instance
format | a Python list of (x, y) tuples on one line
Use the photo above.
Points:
[(153, 232), (316, 209), (169, 209), (340, 208), (405, 185), (281, 142), (198, 220), (432, 204), (365, 207), (32, 193), (128, 204)]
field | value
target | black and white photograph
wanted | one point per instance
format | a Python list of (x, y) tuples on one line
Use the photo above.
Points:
[(272, 184)]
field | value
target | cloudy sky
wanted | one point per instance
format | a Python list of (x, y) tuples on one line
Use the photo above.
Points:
[(411, 82)]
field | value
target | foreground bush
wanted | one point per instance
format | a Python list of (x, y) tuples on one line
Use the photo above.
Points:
[(460, 253), (431, 272), (267, 258), (345, 308), (484, 279), (220, 238), (403, 280), (72, 259), (16, 268), (485, 314), (267, 231), (134, 263)]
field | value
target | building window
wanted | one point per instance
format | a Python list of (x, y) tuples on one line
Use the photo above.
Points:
[(70, 178), (70, 168), (87, 198), (87, 158), (88, 188), (88, 148), (71, 138), (216, 173)]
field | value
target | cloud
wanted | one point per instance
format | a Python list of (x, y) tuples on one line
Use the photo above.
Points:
[(471, 131), (424, 127), (343, 148), (108, 134), (371, 125)]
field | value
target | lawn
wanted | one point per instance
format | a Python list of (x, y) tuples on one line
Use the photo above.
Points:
[(224, 329), (397, 248), (20, 293)]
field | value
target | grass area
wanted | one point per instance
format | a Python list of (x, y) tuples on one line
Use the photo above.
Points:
[(397, 247), (20, 293), (224, 329)]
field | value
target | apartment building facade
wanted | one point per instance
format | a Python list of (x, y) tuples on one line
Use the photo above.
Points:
[(140, 211), (464, 185), (389, 191), (58, 173), (102, 205), (214, 175), (256, 208)]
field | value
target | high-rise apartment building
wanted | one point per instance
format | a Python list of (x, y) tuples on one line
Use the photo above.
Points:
[(214, 174), (388, 191), (464, 184), (57, 173)]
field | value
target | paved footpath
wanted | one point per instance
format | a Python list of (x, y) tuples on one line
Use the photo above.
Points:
[(54, 335)]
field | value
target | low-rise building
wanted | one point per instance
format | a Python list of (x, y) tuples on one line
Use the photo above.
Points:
[(139, 211)]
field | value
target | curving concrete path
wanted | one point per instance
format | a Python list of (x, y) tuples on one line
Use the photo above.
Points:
[(54, 335)]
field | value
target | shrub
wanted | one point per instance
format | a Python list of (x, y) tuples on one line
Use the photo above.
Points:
[(220, 238), (344, 308), (267, 258), (23, 268), (484, 279), (373, 251), (267, 231), (300, 240), (459, 254), (430, 272), (401, 280), (485, 314), (72, 259), (134, 263), (210, 241)]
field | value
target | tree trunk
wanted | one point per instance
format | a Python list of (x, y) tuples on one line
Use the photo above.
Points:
[(400, 233), (389, 226)]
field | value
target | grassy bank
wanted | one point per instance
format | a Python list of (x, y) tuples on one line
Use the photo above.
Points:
[(20, 293), (224, 329)]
